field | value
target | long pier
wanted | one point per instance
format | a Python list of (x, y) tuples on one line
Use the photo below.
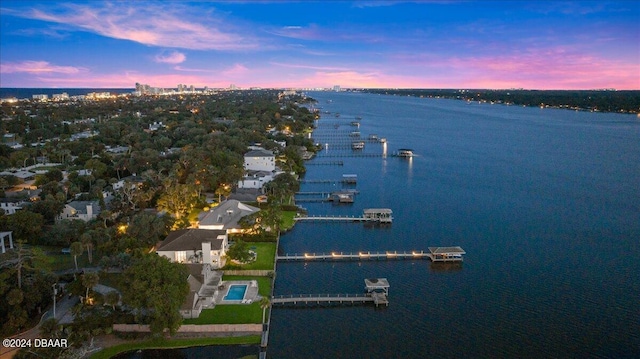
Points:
[(326, 193), (387, 255), (325, 163), (375, 298), (336, 218)]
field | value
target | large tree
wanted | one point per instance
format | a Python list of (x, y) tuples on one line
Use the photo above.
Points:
[(157, 287), (147, 228), (177, 199)]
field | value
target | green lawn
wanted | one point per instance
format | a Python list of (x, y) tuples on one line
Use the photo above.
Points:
[(236, 313), (230, 314), (286, 220), (266, 256), (174, 343), (264, 283), (56, 260)]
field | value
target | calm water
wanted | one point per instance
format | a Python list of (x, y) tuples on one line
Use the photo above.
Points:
[(545, 202)]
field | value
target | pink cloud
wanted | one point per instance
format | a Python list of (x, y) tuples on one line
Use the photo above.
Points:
[(544, 68), (171, 58), (156, 24), (235, 71), (38, 67)]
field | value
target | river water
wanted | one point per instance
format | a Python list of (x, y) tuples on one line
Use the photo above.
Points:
[(545, 202)]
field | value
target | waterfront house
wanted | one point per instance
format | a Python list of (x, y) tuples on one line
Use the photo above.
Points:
[(82, 210), (195, 246), (256, 179), (203, 283), (259, 160), (226, 216)]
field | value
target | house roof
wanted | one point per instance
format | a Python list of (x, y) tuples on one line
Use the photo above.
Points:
[(227, 214), (191, 239), (195, 271), (81, 206), (259, 153)]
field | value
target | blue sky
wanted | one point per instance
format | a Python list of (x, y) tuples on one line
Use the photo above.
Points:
[(417, 44)]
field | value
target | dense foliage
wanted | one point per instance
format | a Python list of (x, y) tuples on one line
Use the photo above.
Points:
[(585, 100)]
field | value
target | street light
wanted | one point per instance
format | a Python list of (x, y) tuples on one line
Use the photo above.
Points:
[(55, 292)]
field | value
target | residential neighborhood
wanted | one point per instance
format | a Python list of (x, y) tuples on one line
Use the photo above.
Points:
[(153, 197)]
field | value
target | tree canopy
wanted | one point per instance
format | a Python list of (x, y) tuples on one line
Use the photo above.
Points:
[(158, 288)]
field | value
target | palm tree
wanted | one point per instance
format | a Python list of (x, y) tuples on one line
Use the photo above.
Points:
[(87, 239), (76, 249), (264, 304), (89, 280)]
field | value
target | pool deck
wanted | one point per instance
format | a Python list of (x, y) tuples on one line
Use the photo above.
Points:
[(250, 295)]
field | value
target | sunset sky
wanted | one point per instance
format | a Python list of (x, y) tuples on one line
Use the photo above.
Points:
[(408, 44)]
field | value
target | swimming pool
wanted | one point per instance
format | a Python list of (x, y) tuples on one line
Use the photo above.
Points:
[(236, 292)]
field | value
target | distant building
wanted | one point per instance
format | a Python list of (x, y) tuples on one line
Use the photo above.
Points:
[(82, 210), (11, 205), (40, 97)]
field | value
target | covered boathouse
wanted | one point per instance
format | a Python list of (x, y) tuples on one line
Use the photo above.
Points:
[(378, 290), (446, 254), (382, 215)]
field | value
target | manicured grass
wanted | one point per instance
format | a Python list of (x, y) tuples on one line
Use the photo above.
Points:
[(55, 260), (266, 252), (174, 343), (286, 220), (230, 314), (264, 283)]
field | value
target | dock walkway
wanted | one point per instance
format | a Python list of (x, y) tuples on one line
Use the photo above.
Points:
[(375, 298), (336, 218), (435, 254), (355, 256)]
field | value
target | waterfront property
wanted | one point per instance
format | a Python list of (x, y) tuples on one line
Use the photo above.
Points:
[(195, 246), (226, 215), (203, 282)]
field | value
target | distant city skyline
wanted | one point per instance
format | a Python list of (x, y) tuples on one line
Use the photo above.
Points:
[(348, 44)]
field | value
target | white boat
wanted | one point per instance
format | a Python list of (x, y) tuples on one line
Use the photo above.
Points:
[(357, 145)]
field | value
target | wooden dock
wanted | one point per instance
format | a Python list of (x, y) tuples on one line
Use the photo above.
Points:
[(435, 254), (325, 163), (336, 218), (318, 299), (387, 255)]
